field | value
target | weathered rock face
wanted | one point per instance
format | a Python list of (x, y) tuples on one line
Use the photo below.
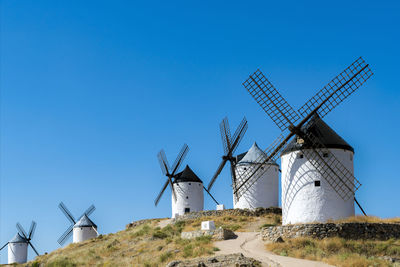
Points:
[(137, 223), (217, 261), (232, 212), (217, 234), (378, 231)]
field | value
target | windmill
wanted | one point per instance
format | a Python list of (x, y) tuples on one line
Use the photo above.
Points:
[(331, 169), (186, 186), (230, 145), (264, 193), (18, 245), (82, 229)]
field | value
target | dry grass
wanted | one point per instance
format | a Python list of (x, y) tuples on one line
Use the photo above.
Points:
[(145, 245), (338, 251), (236, 223)]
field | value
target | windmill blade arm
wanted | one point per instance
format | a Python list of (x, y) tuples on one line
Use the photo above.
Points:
[(178, 161), (171, 184), (34, 249), (162, 159), (89, 211), (161, 193), (216, 174), (238, 135), (225, 135), (65, 235), (205, 189), (4, 246), (32, 230), (331, 168), (338, 89), (269, 99), (21, 230), (66, 212)]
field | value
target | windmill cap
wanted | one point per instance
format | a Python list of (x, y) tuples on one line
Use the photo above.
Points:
[(187, 175), (18, 239), (84, 221), (328, 137), (253, 155)]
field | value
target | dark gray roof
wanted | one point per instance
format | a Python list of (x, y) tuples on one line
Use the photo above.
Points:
[(84, 221), (326, 134), (187, 175), (18, 239)]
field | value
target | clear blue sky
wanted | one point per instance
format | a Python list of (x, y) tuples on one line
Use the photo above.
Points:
[(92, 90)]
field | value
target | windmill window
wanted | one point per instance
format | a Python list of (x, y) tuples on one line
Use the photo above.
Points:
[(187, 210), (351, 157), (245, 168), (190, 183), (262, 168), (325, 154), (317, 183), (187, 197), (301, 155)]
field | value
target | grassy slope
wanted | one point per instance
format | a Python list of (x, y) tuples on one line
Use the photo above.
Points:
[(341, 252), (148, 245)]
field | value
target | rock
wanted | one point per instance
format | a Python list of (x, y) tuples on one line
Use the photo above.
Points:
[(217, 261), (278, 240)]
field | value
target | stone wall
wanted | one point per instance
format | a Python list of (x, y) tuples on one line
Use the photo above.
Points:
[(379, 231), (230, 212), (217, 234)]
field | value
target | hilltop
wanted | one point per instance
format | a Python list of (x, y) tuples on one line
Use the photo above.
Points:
[(156, 242)]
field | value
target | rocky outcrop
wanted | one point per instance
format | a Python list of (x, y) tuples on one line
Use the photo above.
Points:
[(378, 231), (217, 261), (230, 212), (217, 234)]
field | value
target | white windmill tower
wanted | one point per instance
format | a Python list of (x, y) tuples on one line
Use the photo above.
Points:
[(186, 186), (82, 229), (303, 183), (229, 144), (264, 192), (18, 245), (321, 165)]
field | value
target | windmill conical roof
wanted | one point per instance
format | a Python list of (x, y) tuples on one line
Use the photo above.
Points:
[(253, 155), (328, 137), (187, 175), (84, 221), (18, 239)]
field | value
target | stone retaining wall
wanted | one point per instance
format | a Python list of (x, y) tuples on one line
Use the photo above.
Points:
[(232, 212), (379, 231), (217, 234)]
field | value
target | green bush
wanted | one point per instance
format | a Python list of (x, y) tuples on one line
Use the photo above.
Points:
[(165, 256), (160, 235), (64, 262)]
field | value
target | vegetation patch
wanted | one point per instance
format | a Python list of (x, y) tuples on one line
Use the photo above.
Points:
[(143, 245), (339, 251)]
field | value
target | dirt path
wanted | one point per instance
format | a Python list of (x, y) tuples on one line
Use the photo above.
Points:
[(251, 245)]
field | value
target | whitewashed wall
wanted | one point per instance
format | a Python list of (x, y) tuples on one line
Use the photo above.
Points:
[(17, 252), (302, 201), (83, 233), (263, 193), (189, 195)]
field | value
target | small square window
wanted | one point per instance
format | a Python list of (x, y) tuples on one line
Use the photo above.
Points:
[(325, 154), (187, 210), (187, 197), (301, 155), (317, 183), (190, 183), (262, 168), (245, 168)]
